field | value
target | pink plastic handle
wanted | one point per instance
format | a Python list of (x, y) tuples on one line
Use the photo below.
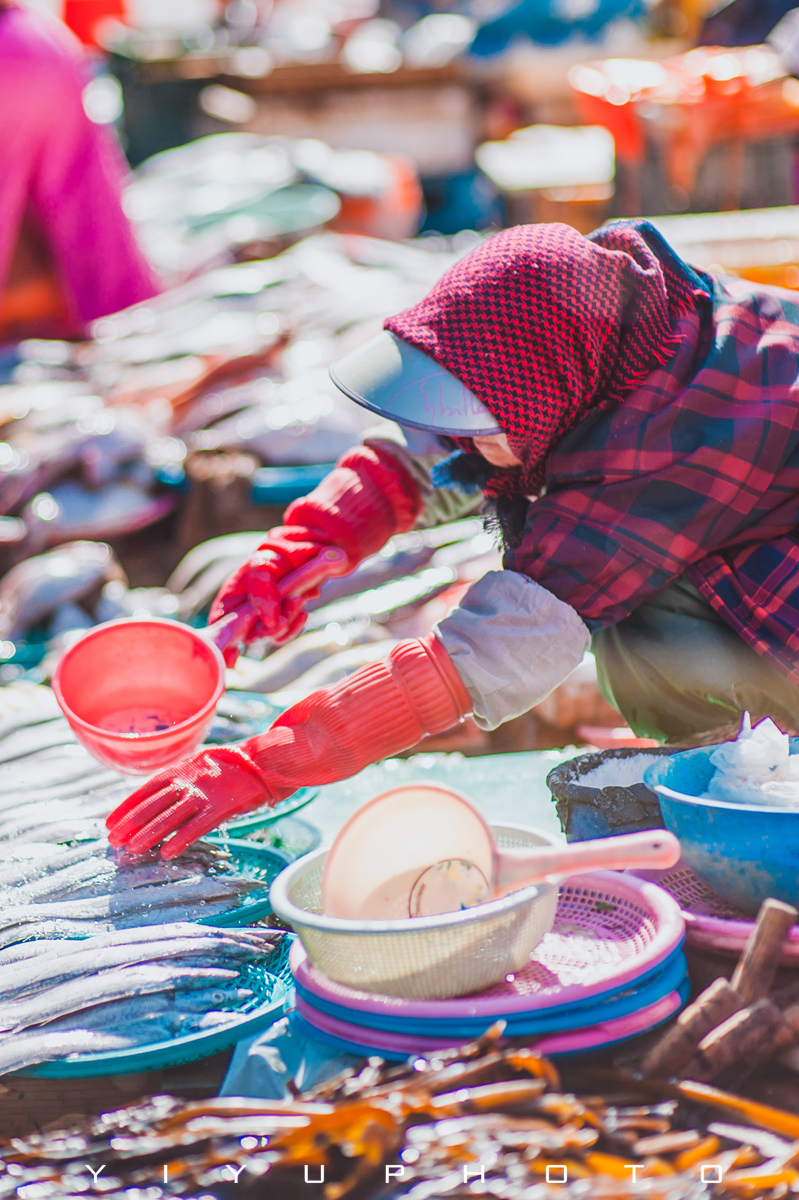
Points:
[(329, 563), (650, 849)]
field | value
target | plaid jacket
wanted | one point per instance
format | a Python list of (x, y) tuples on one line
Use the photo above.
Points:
[(697, 472)]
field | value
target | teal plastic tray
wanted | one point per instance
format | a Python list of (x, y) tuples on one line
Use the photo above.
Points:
[(265, 816), (266, 1007), (263, 863), (269, 982)]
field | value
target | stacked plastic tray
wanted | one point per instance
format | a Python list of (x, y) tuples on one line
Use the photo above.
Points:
[(611, 968)]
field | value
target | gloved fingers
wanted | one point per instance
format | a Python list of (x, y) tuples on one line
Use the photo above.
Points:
[(233, 593), (128, 826), (268, 611), (292, 629), (153, 786), (199, 825), (231, 654), (245, 631), (165, 823)]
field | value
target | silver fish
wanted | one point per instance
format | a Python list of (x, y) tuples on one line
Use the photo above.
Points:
[(136, 1010), (32, 738), (60, 883), (124, 903), (59, 832), (48, 768), (388, 600), (27, 1049), (44, 859), (233, 546), (35, 588), (288, 663), (264, 938), (55, 928), (87, 991), (86, 959), (71, 510), (204, 999), (336, 668)]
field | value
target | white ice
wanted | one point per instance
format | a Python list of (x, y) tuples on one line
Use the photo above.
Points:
[(757, 768)]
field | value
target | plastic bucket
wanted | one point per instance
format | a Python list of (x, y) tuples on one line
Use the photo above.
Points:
[(140, 694)]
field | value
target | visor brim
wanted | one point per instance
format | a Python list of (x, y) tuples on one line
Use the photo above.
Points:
[(393, 378)]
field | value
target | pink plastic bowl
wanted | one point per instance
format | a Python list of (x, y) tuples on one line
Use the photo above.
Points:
[(140, 695)]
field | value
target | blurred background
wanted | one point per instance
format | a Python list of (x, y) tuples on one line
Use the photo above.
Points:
[(293, 172)]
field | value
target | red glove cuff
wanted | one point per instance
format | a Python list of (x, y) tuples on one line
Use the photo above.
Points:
[(384, 708), (367, 499)]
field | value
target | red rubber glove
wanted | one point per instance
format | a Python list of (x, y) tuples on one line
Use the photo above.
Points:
[(361, 504), (381, 709)]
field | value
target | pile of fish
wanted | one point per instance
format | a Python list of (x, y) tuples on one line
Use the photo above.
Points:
[(98, 950), (225, 196), (131, 987), (98, 439), (486, 1119), (59, 877), (399, 592)]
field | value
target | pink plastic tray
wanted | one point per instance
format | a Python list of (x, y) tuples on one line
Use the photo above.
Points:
[(711, 923), (591, 1038), (610, 929)]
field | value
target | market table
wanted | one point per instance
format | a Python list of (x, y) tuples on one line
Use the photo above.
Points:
[(508, 786)]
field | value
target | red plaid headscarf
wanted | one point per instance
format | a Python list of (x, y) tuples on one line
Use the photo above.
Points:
[(545, 325)]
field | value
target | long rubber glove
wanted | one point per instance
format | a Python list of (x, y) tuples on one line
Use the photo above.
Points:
[(381, 709), (363, 502)]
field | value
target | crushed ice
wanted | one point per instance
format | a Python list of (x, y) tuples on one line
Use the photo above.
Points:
[(757, 768)]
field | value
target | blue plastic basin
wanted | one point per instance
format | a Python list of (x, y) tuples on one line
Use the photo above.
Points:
[(746, 853)]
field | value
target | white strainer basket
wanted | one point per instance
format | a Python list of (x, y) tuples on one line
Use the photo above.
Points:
[(421, 958)]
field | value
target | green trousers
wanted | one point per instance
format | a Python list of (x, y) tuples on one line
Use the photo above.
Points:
[(675, 669)]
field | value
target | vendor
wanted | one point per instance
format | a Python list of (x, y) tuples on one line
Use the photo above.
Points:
[(634, 426), (67, 251)]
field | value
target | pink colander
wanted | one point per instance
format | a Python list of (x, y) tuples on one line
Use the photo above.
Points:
[(711, 922)]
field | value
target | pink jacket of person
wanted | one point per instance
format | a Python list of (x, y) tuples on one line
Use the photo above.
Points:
[(60, 179)]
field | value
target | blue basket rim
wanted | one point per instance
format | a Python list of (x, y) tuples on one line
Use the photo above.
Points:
[(664, 764)]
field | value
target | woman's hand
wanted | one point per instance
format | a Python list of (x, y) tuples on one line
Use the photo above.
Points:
[(189, 800)]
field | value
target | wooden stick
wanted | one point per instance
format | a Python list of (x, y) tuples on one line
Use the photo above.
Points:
[(758, 964), (748, 1037), (680, 1041)]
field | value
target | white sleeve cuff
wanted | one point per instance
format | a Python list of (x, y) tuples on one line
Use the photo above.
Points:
[(512, 643)]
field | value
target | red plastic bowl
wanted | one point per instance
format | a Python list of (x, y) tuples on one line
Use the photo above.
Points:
[(140, 695)]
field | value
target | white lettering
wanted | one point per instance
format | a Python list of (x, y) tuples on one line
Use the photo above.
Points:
[(321, 1178), (234, 1174), (635, 1168), (96, 1173), (467, 1174), (395, 1171), (558, 1167), (166, 1173), (717, 1167)]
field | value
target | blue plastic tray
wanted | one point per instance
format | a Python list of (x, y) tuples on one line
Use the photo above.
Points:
[(270, 485), (341, 1046), (667, 977)]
